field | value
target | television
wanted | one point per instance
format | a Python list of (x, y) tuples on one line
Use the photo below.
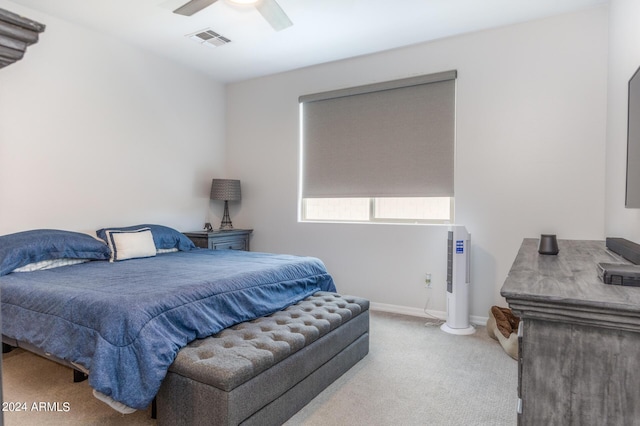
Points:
[(632, 195)]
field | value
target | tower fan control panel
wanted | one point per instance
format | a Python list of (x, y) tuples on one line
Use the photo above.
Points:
[(450, 262)]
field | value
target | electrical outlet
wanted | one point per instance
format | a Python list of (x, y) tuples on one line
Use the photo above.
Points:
[(427, 280)]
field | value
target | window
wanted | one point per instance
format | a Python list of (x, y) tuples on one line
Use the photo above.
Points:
[(437, 209), (347, 209), (381, 152), (404, 209)]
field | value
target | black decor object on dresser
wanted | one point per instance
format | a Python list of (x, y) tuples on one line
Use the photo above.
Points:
[(237, 239), (579, 339)]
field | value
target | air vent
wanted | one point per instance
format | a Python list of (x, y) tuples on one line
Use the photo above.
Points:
[(209, 38)]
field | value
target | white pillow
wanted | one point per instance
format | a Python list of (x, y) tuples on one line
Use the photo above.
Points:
[(130, 244), (49, 264), (171, 250)]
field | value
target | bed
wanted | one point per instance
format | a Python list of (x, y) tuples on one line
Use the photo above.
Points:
[(121, 306)]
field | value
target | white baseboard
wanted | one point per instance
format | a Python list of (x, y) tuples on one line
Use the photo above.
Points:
[(405, 310), (417, 312)]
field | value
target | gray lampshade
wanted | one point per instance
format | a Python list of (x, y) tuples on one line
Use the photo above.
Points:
[(225, 189)]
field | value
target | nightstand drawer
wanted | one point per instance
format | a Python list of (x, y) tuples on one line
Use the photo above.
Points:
[(236, 239), (231, 244)]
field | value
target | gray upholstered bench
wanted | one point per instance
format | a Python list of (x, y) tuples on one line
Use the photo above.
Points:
[(263, 371)]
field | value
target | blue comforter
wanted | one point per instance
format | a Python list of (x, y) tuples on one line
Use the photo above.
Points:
[(126, 321)]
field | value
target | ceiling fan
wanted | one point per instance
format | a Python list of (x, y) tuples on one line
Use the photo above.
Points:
[(270, 10)]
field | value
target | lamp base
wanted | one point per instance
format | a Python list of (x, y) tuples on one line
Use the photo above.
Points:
[(226, 224)]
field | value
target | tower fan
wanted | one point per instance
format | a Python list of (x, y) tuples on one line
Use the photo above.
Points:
[(458, 281)]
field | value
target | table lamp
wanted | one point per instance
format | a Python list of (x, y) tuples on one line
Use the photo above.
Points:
[(226, 190)]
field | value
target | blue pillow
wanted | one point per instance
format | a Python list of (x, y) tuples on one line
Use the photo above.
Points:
[(163, 236), (27, 247)]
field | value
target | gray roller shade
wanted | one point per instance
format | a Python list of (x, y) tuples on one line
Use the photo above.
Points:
[(391, 139)]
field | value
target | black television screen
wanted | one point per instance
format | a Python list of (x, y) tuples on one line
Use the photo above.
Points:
[(632, 198)]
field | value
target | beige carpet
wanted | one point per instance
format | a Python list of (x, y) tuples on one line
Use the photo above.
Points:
[(414, 375)]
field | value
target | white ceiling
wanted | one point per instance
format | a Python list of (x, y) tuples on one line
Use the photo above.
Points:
[(322, 31)]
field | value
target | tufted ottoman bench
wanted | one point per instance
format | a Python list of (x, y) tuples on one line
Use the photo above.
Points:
[(261, 372)]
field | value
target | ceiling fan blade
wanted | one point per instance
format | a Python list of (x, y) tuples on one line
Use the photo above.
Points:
[(193, 6), (273, 13)]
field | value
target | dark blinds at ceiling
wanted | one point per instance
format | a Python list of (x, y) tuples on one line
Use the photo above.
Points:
[(391, 139)]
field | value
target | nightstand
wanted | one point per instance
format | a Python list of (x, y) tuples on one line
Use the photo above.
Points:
[(235, 239)]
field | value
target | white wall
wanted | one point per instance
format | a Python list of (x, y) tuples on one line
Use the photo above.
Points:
[(96, 133), (624, 59), (531, 124)]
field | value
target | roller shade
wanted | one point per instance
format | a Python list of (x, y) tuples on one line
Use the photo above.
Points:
[(391, 139)]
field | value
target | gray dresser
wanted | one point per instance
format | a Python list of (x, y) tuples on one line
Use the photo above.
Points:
[(579, 338)]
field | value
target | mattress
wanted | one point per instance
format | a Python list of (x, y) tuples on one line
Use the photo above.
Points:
[(125, 322)]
